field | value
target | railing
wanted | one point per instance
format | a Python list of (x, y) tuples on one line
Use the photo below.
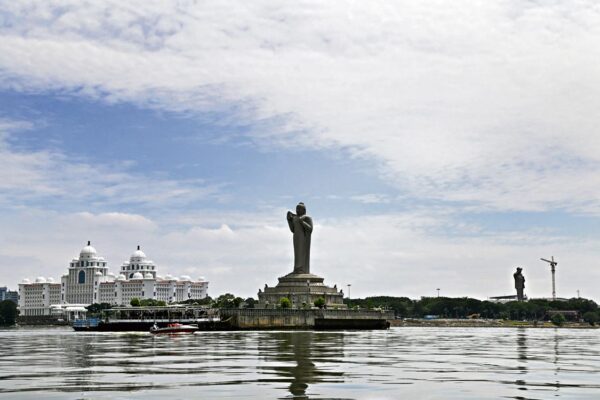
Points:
[(319, 313), (86, 323)]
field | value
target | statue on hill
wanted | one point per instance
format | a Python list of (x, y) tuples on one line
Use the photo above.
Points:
[(301, 226), (519, 283)]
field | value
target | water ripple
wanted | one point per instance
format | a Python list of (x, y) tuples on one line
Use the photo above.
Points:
[(428, 363)]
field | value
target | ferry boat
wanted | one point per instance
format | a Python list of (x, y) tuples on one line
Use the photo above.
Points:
[(141, 319)]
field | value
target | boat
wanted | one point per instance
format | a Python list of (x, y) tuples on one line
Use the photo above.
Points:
[(173, 328), (141, 319)]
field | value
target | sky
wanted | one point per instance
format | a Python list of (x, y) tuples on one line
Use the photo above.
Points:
[(435, 144)]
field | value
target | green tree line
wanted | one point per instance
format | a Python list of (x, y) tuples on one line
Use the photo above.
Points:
[(463, 307)]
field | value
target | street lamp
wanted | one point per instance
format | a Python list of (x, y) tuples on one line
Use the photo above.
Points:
[(349, 289)]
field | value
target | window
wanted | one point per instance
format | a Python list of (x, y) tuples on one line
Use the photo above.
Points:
[(81, 276)]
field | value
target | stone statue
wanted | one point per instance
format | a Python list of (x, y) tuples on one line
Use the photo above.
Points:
[(519, 283), (301, 226)]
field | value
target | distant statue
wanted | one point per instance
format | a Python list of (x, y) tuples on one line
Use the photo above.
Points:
[(301, 226), (519, 283)]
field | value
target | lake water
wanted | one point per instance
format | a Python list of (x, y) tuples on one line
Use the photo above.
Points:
[(409, 363)]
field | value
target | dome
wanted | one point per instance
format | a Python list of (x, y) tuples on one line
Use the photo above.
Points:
[(88, 251), (201, 279), (26, 280), (148, 276), (111, 275), (168, 277), (40, 279), (121, 277), (138, 254), (138, 275), (50, 280), (160, 278), (98, 273), (185, 278)]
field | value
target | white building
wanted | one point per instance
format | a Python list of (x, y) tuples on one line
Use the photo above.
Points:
[(35, 298), (88, 281), (80, 283)]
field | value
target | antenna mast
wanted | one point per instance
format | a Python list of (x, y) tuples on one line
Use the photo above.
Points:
[(553, 265)]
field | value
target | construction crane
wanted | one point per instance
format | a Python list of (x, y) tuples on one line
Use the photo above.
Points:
[(553, 265)]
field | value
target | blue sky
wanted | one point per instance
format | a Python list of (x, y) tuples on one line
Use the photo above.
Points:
[(435, 145)]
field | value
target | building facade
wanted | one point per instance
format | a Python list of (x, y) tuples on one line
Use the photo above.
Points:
[(35, 298), (80, 283), (87, 281), (6, 294)]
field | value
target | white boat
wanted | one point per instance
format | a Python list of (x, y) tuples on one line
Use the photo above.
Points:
[(174, 328)]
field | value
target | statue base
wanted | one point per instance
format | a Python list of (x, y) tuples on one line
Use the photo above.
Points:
[(302, 290)]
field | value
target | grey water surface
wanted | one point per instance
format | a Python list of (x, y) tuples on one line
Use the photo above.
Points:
[(411, 363)]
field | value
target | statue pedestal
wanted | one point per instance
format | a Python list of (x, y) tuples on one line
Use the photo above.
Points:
[(302, 290)]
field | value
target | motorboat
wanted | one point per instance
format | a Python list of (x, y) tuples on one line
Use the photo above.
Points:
[(173, 328)]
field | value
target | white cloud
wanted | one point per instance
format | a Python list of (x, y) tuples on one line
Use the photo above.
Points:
[(493, 104), (371, 198), (44, 174)]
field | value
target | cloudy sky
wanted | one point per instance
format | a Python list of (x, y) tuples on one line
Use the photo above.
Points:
[(435, 144)]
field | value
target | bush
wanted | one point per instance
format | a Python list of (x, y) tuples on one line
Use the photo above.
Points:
[(135, 302), (284, 302), (558, 319), (320, 302), (152, 303)]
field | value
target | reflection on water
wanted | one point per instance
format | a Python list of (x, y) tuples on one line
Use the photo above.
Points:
[(455, 363), (295, 356)]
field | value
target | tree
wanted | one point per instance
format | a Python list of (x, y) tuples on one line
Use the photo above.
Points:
[(228, 300), (96, 308), (135, 302), (591, 317), (320, 302), (8, 313), (250, 302), (207, 301), (284, 302), (558, 319)]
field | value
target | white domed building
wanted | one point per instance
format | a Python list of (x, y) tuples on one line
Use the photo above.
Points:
[(88, 281), (80, 284), (138, 262)]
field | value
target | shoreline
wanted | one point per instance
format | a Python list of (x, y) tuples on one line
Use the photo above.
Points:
[(486, 323)]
